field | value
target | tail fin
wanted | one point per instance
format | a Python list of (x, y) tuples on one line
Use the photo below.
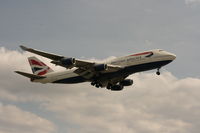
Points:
[(38, 67)]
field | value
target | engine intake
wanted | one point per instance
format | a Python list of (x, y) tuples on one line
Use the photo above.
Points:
[(68, 61), (126, 82), (100, 67)]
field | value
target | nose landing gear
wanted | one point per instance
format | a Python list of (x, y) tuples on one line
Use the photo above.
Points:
[(158, 71)]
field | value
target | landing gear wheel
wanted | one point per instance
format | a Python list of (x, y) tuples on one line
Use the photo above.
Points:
[(158, 73), (97, 85), (109, 86), (100, 85), (93, 83)]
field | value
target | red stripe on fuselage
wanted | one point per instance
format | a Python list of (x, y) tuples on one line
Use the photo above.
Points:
[(144, 53)]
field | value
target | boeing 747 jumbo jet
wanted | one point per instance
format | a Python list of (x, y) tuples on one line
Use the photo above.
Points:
[(110, 74)]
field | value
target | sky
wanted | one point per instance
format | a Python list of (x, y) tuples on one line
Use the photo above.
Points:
[(100, 29)]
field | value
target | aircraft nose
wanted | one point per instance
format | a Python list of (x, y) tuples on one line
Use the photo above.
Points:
[(173, 56)]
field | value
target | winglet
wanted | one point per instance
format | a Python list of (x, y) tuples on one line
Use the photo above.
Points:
[(23, 48)]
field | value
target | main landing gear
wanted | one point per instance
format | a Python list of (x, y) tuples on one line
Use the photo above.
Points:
[(158, 71), (96, 84)]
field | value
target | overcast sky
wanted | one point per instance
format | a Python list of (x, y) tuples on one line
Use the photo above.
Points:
[(99, 29)]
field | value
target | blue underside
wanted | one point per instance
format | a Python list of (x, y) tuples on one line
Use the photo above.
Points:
[(72, 80), (125, 71)]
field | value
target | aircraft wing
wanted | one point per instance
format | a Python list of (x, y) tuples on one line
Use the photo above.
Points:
[(81, 64), (89, 73), (54, 57), (42, 53)]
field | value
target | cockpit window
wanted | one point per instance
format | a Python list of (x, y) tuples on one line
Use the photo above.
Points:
[(161, 50)]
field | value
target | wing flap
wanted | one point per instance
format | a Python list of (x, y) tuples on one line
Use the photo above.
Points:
[(113, 68), (89, 73), (84, 73), (84, 64), (89, 65)]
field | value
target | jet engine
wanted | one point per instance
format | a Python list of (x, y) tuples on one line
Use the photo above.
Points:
[(100, 67), (126, 82), (117, 87), (68, 61), (65, 62)]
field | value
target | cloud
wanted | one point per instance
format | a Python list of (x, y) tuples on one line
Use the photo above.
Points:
[(153, 104), (192, 1), (13, 86), (15, 120)]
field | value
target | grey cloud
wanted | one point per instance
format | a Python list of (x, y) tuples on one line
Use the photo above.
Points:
[(15, 120), (152, 105)]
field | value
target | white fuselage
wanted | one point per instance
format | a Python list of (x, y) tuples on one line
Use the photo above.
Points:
[(146, 61)]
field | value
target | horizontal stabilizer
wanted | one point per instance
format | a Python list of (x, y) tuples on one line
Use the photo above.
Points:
[(31, 76)]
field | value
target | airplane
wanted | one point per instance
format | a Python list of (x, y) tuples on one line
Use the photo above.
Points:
[(110, 74)]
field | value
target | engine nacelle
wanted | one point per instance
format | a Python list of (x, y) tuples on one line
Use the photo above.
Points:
[(117, 87), (100, 67), (68, 62), (126, 82), (65, 62)]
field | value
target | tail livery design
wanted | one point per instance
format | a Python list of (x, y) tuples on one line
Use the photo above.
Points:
[(38, 67)]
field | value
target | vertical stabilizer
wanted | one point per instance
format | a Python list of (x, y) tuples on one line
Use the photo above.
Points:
[(38, 67)]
